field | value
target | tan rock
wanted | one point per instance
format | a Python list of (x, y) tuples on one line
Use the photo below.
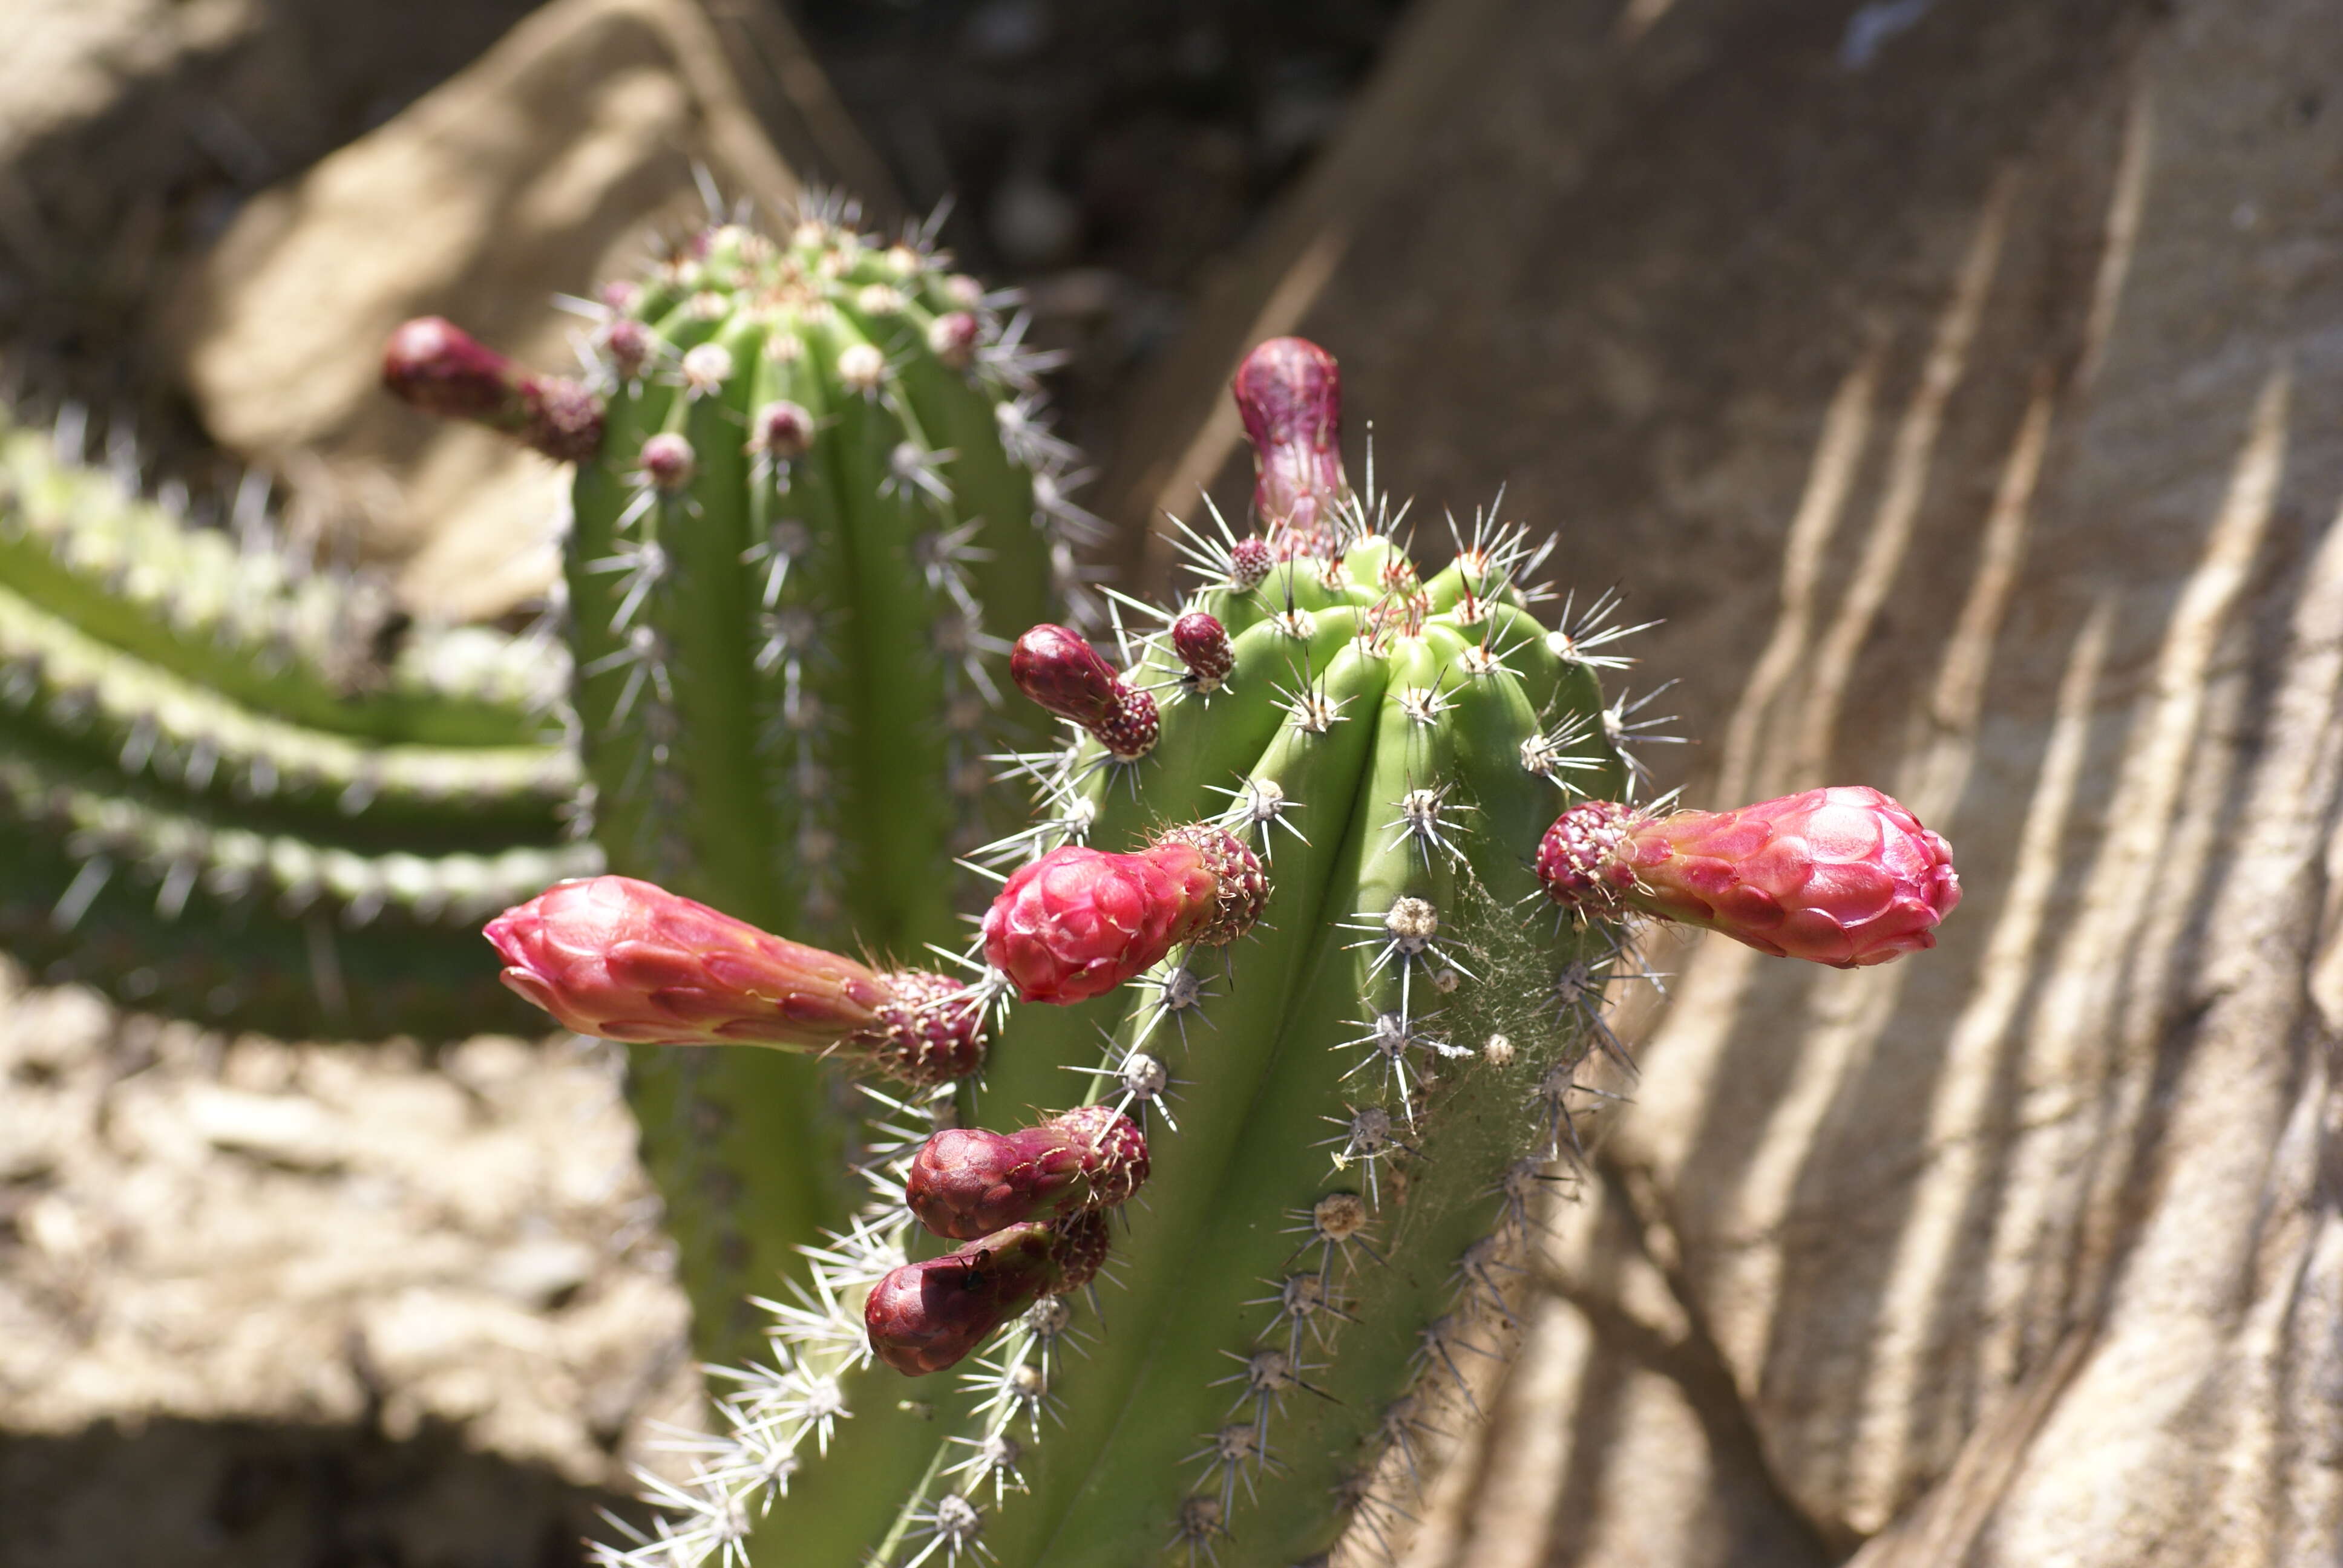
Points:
[(1964, 391), (548, 164)]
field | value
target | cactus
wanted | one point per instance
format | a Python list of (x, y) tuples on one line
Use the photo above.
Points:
[(813, 471), (213, 765), (1308, 940)]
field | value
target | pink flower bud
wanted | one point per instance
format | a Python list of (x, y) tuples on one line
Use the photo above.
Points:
[(1201, 643), (925, 1317), (966, 1182), (1842, 876), (1290, 396), (781, 430), (628, 344), (627, 960), (667, 461), (953, 338), (1250, 561), (1061, 671), (433, 364), (1078, 922)]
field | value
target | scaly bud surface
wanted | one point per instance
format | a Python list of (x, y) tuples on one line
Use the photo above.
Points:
[(628, 961), (437, 366), (926, 1316), (1064, 675), (1202, 644), (1842, 876), (966, 1182), (1290, 396), (1079, 922)]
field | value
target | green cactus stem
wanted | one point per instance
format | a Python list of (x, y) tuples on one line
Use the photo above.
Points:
[(215, 768), (822, 476), (1344, 1111), (1318, 945)]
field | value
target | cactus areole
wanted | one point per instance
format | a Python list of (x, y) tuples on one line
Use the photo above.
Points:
[(1293, 1031)]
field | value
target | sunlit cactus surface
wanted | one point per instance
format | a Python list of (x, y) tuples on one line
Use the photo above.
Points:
[(248, 792), (1198, 1188)]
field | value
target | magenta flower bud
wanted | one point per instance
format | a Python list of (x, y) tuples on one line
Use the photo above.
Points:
[(926, 1316), (1201, 643), (781, 430), (628, 344), (1250, 561), (433, 364), (1078, 922), (1061, 671), (1290, 396), (667, 461), (627, 960), (953, 337), (966, 1182), (1842, 876)]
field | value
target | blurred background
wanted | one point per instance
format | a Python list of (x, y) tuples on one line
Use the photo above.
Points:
[(1961, 384)]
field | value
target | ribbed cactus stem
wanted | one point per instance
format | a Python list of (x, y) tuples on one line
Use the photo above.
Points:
[(1327, 1018), (824, 472)]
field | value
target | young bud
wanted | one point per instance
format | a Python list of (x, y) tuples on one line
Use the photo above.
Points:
[(966, 1182), (1841, 876), (669, 462), (953, 338), (1079, 921), (435, 366), (1290, 396), (627, 960), (781, 430), (1062, 672), (926, 1316), (1201, 643)]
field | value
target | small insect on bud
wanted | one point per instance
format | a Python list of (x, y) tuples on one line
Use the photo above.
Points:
[(953, 337), (966, 1182), (781, 430), (1079, 921), (669, 462), (1842, 876), (927, 1316), (1201, 643)]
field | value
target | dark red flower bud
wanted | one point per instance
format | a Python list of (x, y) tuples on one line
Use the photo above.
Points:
[(925, 1317), (1201, 643), (433, 364), (966, 1182), (1061, 671), (1290, 396)]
